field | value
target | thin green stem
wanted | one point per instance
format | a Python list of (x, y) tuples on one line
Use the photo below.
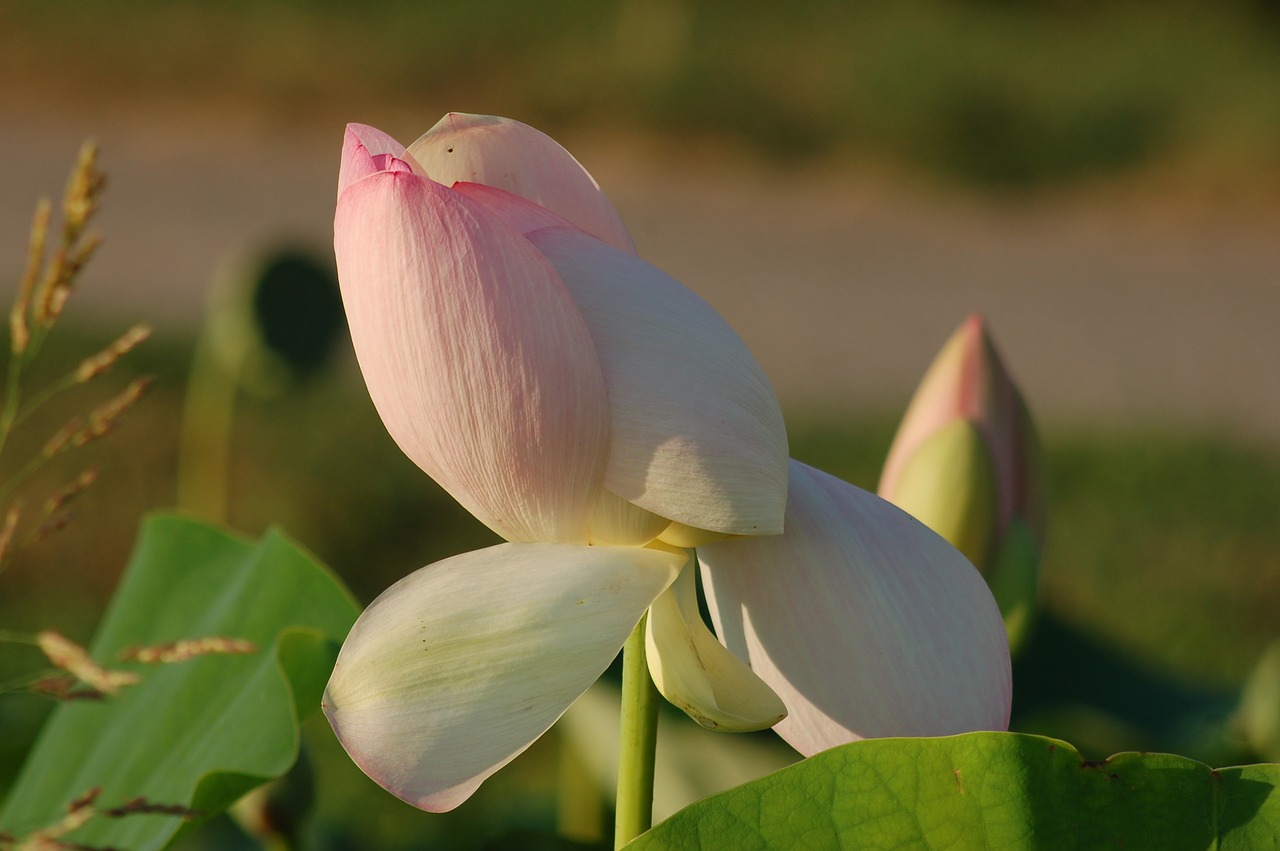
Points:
[(638, 741), (28, 469), (9, 636), (59, 386), (12, 397)]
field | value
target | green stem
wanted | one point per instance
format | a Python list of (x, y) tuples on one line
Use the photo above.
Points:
[(66, 383), (11, 414), (637, 743), (34, 464)]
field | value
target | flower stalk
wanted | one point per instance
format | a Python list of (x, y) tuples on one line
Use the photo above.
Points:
[(638, 741), (204, 454)]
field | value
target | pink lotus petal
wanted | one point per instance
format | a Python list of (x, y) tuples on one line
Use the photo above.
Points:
[(508, 155), (475, 355), (866, 623), (367, 150), (460, 666), (520, 213), (697, 433)]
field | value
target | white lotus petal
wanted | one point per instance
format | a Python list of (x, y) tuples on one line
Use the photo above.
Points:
[(697, 433), (509, 155), (475, 355), (460, 666), (695, 672), (864, 621)]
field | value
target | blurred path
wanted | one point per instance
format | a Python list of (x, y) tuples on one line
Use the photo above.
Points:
[(843, 287)]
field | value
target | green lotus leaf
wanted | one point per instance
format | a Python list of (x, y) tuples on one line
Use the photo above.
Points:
[(983, 791), (197, 733)]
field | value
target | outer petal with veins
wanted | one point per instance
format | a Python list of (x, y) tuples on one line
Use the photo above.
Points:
[(460, 666), (866, 623)]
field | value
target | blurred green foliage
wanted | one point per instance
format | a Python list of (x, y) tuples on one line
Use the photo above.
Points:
[(198, 732), (1009, 94)]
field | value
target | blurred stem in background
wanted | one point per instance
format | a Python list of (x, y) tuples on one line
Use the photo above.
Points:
[(205, 449), (274, 319), (579, 802)]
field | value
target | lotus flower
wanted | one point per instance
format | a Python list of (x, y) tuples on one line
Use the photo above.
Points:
[(966, 462), (604, 420)]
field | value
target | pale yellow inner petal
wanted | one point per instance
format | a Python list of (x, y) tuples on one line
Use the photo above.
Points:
[(694, 671), (615, 522), (688, 537)]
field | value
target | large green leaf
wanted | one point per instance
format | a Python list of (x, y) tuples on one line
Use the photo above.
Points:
[(984, 791), (201, 732)]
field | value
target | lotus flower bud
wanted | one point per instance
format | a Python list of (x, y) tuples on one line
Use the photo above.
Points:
[(1258, 717), (967, 463)]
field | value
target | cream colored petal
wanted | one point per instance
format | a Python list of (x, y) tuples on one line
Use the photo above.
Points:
[(515, 157), (475, 355), (695, 672), (460, 666), (865, 622), (616, 522), (697, 433), (680, 535)]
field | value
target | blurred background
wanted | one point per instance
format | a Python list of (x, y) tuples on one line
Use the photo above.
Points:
[(843, 182)]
